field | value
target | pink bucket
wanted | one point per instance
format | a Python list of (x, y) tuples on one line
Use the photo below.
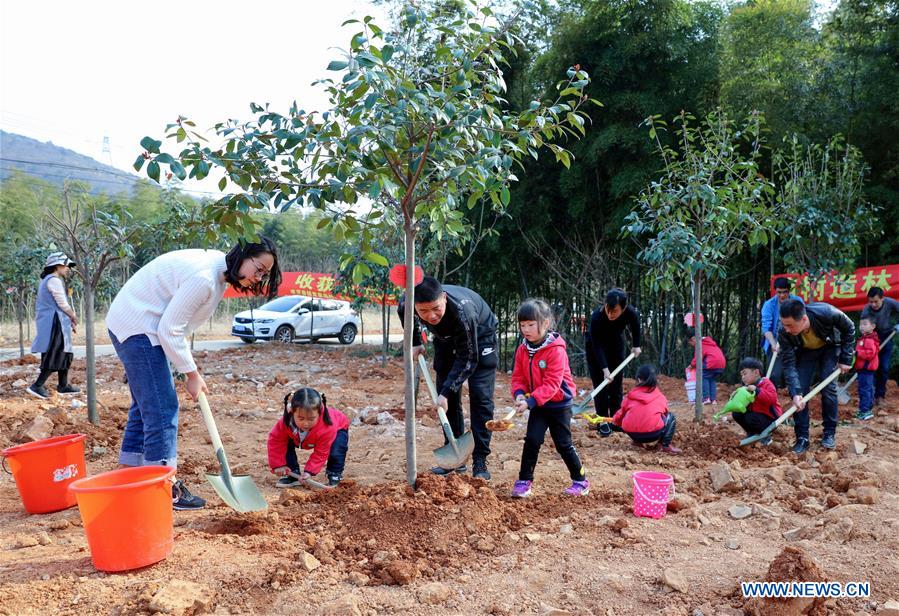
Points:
[(651, 494)]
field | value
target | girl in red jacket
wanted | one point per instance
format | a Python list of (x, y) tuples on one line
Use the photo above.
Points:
[(867, 360), (308, 423), (762, 411), (644, 415), (541, 382), (713, 365)]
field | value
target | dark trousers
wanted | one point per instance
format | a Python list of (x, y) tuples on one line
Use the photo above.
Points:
[(558, 421), (812, 366), (481, 385), (55, 359), (866, 390), (883, 370), (710, 383), (777, 373), (336, 458), (754, 423), (663, 434), (608, 401)]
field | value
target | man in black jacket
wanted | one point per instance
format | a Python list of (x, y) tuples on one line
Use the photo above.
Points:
[(604, 348), (463, 329), (814, 338)]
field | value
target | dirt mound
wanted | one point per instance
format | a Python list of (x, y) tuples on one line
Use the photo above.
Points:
[(394, 534), (791, 565), (719, 442), (21, 361)]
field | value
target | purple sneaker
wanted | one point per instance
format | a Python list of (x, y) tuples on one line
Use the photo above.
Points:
[(578, 488), (522, 489)]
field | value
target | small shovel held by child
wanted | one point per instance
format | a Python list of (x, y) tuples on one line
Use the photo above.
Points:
[(789, 412)]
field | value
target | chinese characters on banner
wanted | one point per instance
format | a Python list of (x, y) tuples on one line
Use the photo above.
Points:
[(848, 292), (316, 284)]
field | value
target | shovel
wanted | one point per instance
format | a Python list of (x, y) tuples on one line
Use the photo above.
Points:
[(843, 392), (789, 412), (238, 491), (457, 450), (309, 481), (771, 365), (580, 407), (501, 425), (593, 418)]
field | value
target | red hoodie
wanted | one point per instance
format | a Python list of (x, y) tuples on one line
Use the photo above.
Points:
[(546, 376), (866, 351), (712, 357), (643, 410), (319, 438), (766, 401)]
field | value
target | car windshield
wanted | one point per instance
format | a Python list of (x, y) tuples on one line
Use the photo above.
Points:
[(282, 304)]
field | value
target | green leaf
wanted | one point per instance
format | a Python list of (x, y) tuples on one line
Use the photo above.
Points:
[(178, 169), (139, 162), (153, 170), (150, 145), (337, 65), (222, 183), (505, 196), (377, 259)]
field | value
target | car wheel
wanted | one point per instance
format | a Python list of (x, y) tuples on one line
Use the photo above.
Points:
[(248, 340), (347, 334), (284, 334)]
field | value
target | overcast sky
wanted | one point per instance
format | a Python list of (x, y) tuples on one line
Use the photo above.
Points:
[(76, 72)]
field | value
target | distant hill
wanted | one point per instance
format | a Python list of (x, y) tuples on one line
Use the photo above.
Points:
[(55, 165)]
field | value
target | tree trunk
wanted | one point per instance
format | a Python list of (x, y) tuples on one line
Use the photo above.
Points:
[(697, 324), (408, 361), (385, 335), (90, 361)]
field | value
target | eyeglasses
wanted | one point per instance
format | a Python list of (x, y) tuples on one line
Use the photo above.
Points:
[(261, 273)]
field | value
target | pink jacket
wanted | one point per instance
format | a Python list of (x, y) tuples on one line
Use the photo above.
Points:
[(643, 410), (319, 439)]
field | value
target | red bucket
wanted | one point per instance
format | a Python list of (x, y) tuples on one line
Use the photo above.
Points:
[(44, 469)]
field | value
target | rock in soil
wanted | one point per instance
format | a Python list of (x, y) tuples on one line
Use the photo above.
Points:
[(791, 565), (722, 477), (38, 429), (676, 580), (434, 593), (344, 606), (182, 598), (740, 511)]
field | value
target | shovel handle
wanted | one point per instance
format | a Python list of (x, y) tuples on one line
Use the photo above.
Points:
[(605, 382), (757, 437), (441, 414), (209, 420), (771, 365), (310, 481)]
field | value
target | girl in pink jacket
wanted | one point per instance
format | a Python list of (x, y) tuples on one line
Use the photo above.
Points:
[(644, 414), (308, 423)]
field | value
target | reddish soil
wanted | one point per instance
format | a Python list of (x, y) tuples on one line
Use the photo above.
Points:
[(459, 545)]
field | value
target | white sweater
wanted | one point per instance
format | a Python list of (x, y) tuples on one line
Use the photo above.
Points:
[(169, 298)]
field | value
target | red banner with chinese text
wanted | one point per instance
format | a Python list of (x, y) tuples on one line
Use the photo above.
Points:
[(317, 284), (848, 292)]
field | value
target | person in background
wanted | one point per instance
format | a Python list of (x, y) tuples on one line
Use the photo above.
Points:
[(771, 325), (884, 311), (56, 322)]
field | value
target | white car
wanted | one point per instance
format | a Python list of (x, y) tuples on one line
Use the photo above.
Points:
[(293, 316)]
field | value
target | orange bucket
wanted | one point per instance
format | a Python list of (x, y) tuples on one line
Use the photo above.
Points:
[(127, 516), (44, 469)]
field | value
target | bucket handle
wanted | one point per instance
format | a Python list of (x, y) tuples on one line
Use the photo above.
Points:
[(652, 500), (3, 465)]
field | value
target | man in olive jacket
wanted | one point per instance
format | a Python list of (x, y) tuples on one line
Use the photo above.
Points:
[(814, 338)]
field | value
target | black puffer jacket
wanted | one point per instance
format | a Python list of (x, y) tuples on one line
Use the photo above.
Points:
[(831, 326)]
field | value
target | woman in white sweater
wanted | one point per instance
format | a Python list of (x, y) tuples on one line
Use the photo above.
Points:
[(56, 321), (150, 321)]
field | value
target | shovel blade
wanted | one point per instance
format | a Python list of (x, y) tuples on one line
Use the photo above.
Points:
[(449, 458), (241, 494)]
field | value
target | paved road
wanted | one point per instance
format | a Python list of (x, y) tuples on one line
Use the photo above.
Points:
[(209, 345)]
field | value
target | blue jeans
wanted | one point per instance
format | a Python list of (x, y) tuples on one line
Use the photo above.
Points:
[(883, 370), (151, 434), (710, 383), (865, 390), (822, 361), (336, 457)]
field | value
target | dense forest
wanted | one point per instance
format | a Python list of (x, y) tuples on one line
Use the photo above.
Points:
[(820, 81)]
